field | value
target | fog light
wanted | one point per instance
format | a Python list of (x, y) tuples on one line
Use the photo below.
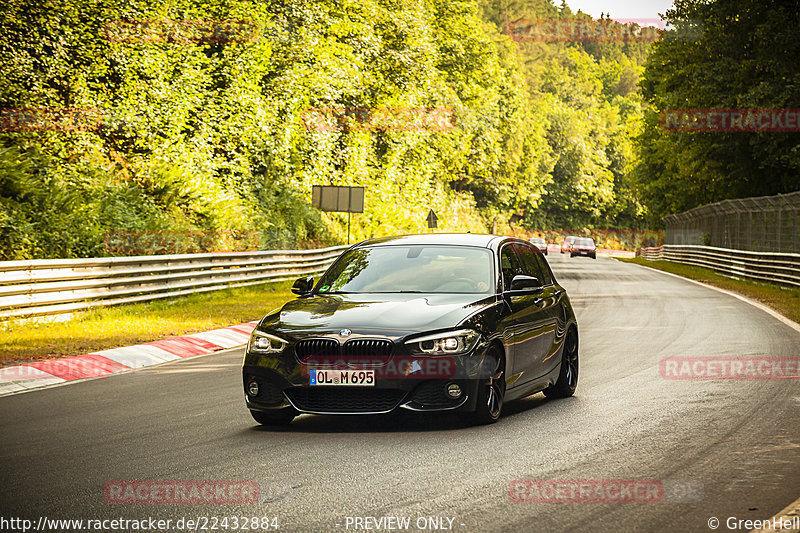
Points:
[(252, 388), (454, 390)]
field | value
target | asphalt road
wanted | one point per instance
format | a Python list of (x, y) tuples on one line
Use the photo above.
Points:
[(736, 444)]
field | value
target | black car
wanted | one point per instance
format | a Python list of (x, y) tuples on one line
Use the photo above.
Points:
[(424, 322)]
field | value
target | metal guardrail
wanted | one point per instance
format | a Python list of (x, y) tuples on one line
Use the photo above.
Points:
[(57, 286), (775, 267)]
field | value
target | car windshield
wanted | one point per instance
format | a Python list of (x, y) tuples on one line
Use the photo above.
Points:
[(537, 241), (585, 242), (398, 269)]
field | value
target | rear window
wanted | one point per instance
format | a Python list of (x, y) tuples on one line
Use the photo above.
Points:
[(585, 242)]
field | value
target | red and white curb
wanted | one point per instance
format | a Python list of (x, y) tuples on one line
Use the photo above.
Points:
[(106, 362)]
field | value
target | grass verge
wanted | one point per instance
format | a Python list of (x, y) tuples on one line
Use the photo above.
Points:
[(126, 325), (784, 300)]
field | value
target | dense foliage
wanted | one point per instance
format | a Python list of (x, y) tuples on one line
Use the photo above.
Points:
[(584, 94), (212, 134), (726, 54), (182, 134)]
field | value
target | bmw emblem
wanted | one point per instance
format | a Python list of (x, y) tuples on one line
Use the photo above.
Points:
[(345, 333)]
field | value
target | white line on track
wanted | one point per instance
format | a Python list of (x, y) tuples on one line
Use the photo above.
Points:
[(787, 521), (790, 516)]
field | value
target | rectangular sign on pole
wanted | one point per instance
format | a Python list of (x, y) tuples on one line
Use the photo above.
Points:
[(336, 198)]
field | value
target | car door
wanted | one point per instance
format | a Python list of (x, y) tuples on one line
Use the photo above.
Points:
[(510, 266), (536, 319), (555, 295)]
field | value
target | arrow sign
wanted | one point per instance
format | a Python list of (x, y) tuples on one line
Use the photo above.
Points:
[(432, 219)]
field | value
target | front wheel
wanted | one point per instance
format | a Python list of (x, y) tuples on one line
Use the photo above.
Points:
[(272, 419), (567, 381), (492, 391)]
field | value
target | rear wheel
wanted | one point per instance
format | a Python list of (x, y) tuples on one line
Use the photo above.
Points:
[(272, 419), (492, 391), (568, 377)]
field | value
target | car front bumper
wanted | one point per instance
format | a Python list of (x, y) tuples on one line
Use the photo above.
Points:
[(286, 386)]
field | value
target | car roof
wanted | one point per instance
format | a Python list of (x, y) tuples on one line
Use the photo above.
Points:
[(460, 239)]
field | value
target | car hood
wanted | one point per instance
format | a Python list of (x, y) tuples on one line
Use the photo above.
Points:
[(392, 315)]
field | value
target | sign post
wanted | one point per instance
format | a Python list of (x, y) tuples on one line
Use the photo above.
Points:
[(432, 219), (339, 199)]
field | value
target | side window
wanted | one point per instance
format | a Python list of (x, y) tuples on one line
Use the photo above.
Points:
[(531, 266), (546, 272), (509, 266)]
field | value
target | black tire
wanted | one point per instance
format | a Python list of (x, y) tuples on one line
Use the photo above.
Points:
[(492, 391), (568, 376), (594, 256), (272, 419)]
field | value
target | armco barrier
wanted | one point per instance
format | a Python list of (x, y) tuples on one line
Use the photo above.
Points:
[(57, 286), (775, 267)]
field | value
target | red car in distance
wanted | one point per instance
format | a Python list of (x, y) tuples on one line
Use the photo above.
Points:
[(540, 243), (583, 246)]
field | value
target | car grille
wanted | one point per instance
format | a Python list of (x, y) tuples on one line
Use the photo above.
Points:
[(360, 353), (316, 347), (344, 400), (366, 348)]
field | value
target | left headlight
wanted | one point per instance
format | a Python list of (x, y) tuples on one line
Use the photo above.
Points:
[(265, 343), (445, 343)]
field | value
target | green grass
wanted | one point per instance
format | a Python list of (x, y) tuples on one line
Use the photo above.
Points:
[(782, 299), (126, 325)]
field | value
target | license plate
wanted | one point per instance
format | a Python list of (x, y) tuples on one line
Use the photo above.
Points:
[(351, 378)]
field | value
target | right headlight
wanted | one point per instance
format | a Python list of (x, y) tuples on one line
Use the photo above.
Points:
[(264, 343), (445, 343)]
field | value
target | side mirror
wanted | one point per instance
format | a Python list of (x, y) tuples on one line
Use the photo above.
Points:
[(521, 283), (303, 286)]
